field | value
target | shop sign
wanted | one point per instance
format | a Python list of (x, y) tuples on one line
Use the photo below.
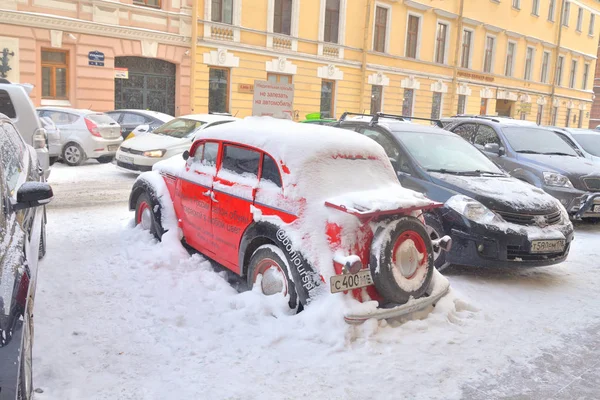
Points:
[(96, 58), (246, 88), (478, 77), (121, 73), (273, 99)]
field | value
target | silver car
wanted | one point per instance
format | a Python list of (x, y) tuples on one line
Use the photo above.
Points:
[(586, 142), (52, 138), (84, 134)]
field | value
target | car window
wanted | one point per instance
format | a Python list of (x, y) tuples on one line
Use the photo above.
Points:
[(486, 135), (114, 115), (101, 119), (590, 143), (388, 144), (240, 160), (536, 140), (61, 118), (179, 127), (568, 140), (466, 131), (10, 159), (211, 150), (133, 119), (17, 140), (270, 171), (6, 105)]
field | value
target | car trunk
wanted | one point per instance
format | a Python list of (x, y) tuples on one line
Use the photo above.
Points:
[(108, 127)]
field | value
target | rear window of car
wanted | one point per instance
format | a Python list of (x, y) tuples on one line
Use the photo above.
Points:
[(179, 127), (270, 172), (101, 119), (6, 105), (240, 160)]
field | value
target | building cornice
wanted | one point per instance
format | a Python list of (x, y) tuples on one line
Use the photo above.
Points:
[(46, 21), (445, 14)]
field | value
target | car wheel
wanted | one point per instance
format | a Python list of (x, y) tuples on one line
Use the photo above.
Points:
[(434, 228), (53, 160), (146, 214), (269, 261), (73, 154), (402, 260), (25, 384), (105, 159), (42, 250)]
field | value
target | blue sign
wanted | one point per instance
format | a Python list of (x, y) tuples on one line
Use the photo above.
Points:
[(96, 58)]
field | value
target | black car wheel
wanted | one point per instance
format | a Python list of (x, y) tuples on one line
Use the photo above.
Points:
[(73, 154), (436, 231), (147, 214), (25, 388), (105, 159)]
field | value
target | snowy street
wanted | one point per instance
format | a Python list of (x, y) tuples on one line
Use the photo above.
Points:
[(121, 316)]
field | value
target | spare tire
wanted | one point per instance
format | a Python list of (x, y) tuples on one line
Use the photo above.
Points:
[(402, 260)]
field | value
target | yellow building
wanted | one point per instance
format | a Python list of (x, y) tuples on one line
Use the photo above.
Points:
[(417, 58)]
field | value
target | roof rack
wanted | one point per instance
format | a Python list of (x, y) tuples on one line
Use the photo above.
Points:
[(345, 114), (404, 118)]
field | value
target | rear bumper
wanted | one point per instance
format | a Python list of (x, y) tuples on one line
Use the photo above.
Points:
[(99, 147), (588, 204)]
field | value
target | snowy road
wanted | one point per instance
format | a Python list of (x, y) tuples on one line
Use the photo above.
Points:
[(119, 316)]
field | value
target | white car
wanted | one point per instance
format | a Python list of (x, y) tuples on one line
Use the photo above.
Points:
[(140, 153), (84, 134)]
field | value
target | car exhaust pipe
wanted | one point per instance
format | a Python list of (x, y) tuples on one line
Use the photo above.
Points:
[(444, 243)]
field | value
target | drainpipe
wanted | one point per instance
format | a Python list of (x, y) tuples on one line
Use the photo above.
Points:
[(363, 68), (558, 41), (193, 50), (456, 57)]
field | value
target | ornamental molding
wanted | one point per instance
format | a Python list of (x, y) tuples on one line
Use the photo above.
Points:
[(464, 90), (556, 103), (281, 65), (570, 104), (330, 72), (582, 107), (525, 98), (506, 95), (379, 79), (486, 93), (542, 101), (221, 58), (410, 83), (439, 87)]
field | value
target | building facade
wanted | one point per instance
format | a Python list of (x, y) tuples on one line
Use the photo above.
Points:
[(100, 54), (528, 59), (595, 113)]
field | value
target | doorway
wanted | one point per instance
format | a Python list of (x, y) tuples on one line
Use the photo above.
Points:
[(504, 108)]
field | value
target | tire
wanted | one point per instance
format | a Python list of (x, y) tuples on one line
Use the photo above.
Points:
[(269, 261), (147, 214), (42, 250), (398, 281), (52, 160), (25, 384), (434, 228), (73, 154), (105, 159)]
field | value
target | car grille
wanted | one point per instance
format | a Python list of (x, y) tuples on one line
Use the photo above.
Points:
[(531, 219), (131, 151), (592, 184), (141, 168), (514, 253)]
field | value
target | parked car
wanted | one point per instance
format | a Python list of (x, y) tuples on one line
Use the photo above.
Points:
[(84, 134), (140, 153), (537, 156), (23, 195), (16, 105), (52, 139), (494, 220), (585, 142), (272, 199), (131, 119), (319, 119)]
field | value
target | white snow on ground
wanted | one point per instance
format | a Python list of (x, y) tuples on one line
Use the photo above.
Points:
[(120, 316)]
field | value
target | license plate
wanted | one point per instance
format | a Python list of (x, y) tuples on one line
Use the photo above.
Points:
[(596, 208), (125, 159), (547, 246), (344, 282), (113, 147)]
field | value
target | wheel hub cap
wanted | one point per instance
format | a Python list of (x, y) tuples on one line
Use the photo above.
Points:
[(434, 236), (72, 154), (272, 281), (146, 219)]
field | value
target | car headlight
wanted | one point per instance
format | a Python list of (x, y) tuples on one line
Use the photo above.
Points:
[(555, 179), (155, 153), (472, 209)]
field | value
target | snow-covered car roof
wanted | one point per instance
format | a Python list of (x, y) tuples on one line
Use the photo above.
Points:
[(155, 114), (209, 118)]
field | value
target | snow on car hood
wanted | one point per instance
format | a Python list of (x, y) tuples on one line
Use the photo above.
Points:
[(153, 141)]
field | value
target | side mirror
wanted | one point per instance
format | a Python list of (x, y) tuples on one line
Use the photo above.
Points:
[(33, 194), (141, 129), (186, 155), (494, 148)]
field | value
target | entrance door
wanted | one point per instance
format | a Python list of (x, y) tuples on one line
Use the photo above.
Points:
[(504, 108), (151, 85)]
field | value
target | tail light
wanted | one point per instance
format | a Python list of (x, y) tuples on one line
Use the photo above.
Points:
[(92, 127), (39, 138)]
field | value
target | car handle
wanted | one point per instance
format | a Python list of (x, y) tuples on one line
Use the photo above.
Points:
[(212, 197)]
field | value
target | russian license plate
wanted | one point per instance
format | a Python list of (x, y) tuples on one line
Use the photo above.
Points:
[(113, 147), (344, 282), (125, 159), (547, 246), (596, 208)]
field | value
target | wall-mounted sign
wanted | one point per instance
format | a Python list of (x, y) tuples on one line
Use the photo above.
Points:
[(475, 76), (246, 88), (121, 73), (273, 100), (96, 58)]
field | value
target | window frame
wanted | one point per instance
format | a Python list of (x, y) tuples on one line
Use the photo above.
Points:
[(54, 66), (380, 98), (551, 10), (512, 59), (579, 25), (568, 117), (516, 4), (462, 97), (332, 102), (479, 131), (558, 74), (529, 63), (535, 8), (339, 22), (469, 48), (278, 78), (261, 169), (412, 102), (591, 27), (417, 43), (566, 13), (222, 20), (491, 52), (554, 115), (227, 90), (586, 76), (545, 66), (573, 74), (437, 42), (222, 155), (144, 3), (386, 33), (441, 105), (540, 114), (275, 2)]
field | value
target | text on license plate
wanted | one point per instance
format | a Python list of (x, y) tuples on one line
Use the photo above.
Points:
[(126, 159), (113, 147), (341, 283), (596, 208), (547, 246)]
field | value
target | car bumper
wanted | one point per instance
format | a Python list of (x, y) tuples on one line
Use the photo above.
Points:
[(100, 147), (579, 204), (589, 207), (134, 162)]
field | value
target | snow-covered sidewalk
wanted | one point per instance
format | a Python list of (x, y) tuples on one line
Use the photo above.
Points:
[(120, 316)]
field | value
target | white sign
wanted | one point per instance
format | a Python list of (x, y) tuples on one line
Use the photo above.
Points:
[(273, 100), (121, 73)]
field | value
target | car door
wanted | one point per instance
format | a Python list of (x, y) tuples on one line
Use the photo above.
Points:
[(234, 190), (66, 123), (195, 196), (129, 121), (486, 135)]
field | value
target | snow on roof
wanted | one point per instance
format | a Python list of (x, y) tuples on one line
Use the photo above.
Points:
[(158, 115), (208, 118)]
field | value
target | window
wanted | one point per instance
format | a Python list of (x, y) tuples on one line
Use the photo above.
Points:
[(586, 72), (510, 58), (412, 36), (380, 29), (523, 116), (528, 63), (10, 155), (554, 115), (486, 135), (592, 21), (462, 104), (282, 18), (61, 118), (516, 4), (535, 7), (579, 19), (551, 8), (149, 3), (211, 151), (240, 160), (407, 102), (332, 21), (222, 11), (580, 123), (441, 39), (54, 74), (218, 90), (132, 119), (488, 59), (391, 149), (545, 65), (483, 107), (466, 49), (6, 105), (540, 114), (567, 119), (270, 171), (572, 77), (327, 98), (277, 78), (436, 106), (566, 13), (466, 131), (376, 98), (559, 69)]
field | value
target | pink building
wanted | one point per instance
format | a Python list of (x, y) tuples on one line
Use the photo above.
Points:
[(100, 54)]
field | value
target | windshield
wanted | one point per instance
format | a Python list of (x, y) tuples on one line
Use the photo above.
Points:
[(446, 153), (537, 141), (101, 119), (589, 142), (179, 127)]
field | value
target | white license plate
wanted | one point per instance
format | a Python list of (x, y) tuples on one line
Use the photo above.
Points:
[(344, 282), (596, 208), (113, 147), (125, 159), (547, 246)]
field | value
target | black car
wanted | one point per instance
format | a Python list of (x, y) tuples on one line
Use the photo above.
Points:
[(131, 119), (494, 219), (23, 195)]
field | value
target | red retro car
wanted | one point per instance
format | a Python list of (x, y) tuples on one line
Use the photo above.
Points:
[(309, 209)]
